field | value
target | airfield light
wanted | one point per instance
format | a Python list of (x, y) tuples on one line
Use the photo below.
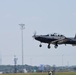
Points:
[(22, 28), (15, 63)]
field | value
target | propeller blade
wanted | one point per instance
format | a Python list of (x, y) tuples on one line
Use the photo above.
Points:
[(34, 34)]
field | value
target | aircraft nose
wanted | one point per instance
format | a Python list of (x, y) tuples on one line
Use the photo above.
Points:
[(34, 36)]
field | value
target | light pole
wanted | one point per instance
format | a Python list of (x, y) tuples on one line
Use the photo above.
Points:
[(62, 60), (22, 28)]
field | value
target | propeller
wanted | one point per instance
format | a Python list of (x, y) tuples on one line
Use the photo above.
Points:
[(34, 34)]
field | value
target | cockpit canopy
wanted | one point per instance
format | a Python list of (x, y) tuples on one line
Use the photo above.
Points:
[(55, 34)]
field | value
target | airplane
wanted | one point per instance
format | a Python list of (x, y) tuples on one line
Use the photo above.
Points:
[(55, 39)]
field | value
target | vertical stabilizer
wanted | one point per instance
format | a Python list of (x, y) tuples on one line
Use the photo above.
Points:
[(75, 36)]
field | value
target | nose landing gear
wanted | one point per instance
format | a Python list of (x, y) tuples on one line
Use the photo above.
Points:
[(40, 45)]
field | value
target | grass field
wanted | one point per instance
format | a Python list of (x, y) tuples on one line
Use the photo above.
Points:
[(57, 73)]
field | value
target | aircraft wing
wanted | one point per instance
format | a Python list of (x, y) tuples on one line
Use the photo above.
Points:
[(59, 41)]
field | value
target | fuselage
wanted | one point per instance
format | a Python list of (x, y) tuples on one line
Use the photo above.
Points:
[(50, 38), (55, 39)]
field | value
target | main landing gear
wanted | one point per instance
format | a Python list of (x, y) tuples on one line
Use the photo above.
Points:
[(56, 46), (49, 46)]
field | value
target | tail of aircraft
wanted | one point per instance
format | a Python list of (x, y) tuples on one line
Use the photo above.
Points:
[(75, 36)]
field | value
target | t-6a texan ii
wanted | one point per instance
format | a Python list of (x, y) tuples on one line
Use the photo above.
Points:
[(55, 39)]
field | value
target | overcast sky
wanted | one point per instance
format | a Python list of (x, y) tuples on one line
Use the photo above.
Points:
[(42, 16)]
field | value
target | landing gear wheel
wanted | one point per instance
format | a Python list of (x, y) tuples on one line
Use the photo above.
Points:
[(40, 45), (49, 47), (55, 46)]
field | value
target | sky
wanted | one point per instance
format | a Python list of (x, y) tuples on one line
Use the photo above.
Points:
[(44, 17)]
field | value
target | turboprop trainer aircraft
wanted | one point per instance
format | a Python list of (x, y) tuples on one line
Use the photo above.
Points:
[(55, 39)]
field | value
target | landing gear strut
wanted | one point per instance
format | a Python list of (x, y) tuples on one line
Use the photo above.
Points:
[(49, 46)]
